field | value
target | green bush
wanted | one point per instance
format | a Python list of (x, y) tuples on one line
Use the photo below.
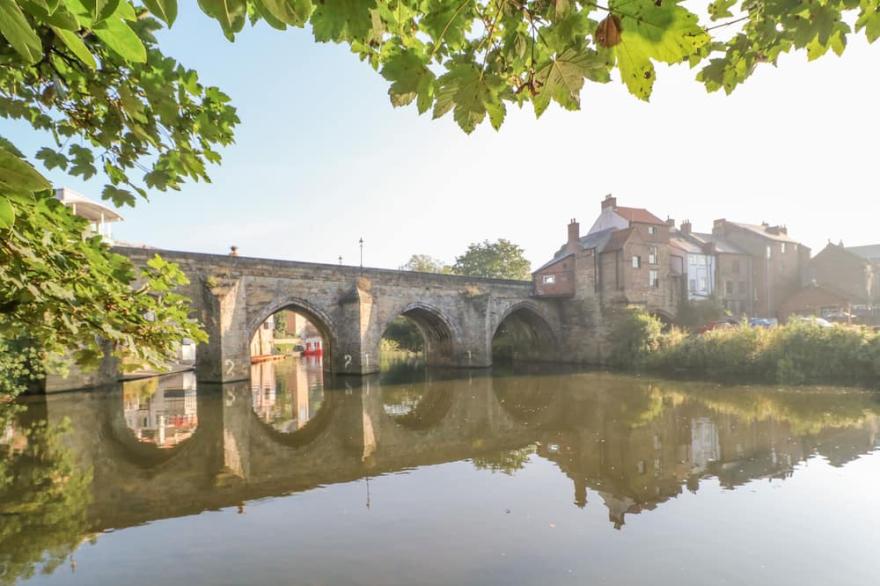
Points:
[(693, 314), (798, 353), (634, 335)]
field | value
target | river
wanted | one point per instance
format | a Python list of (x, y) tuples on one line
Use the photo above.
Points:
[(441, 477)]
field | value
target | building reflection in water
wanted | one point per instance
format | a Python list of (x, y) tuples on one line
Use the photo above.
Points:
[(162, 411), (287, 393)]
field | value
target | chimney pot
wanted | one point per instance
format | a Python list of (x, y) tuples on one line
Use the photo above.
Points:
[(686, 227)]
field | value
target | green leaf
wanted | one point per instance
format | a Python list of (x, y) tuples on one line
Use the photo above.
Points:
[(410, 78), (15, 27), (119, 197), (869, 19), (652, 31), (118, 36), (231, 14), (76, 46), (165, 10), (448, 21), (340, 20), (7, 213), (18, 176), (721, 9), (59, 17), (563, 78), (292, 12), (83, 162), (99, 10), (52, 159), (470, 94)]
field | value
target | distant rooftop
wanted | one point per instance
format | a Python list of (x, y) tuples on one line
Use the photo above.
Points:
[(639, 215), (721, 245), (85, 207), (767, 231), (870, 252)]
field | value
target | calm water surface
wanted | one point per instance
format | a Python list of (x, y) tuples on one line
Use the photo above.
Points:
[(415, 477)]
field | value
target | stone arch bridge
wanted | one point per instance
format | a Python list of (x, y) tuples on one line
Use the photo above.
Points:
[(352, 306)]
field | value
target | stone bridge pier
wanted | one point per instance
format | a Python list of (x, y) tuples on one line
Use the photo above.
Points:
[(352, 307)]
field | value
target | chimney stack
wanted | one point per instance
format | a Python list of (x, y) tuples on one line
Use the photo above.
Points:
[(686, 227), (670, 222), (574, 236), (609, 202), (574, 231)]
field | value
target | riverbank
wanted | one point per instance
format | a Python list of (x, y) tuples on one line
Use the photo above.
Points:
[(798, 353)]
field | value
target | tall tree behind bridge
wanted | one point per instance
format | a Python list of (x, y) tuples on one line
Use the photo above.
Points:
[(498, 260), (423, 263)]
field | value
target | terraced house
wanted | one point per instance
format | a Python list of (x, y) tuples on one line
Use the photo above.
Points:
[(632, 257)]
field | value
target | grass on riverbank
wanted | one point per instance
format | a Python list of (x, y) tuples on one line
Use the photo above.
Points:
[(794, 354)]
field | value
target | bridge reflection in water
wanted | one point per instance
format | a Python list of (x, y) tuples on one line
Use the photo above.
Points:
[(162, 448)]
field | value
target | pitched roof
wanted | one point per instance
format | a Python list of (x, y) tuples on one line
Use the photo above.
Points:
[(552, 261), (763, 230), (722, 246), (685, 245), (617, 240), (638, 215), (870, 252), (596, 239)]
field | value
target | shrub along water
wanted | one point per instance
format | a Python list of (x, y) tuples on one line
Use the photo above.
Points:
[(800, 352)]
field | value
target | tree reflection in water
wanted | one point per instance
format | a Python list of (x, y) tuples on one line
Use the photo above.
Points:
[(44, 496)]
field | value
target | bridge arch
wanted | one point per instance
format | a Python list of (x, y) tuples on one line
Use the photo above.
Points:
[(317, 316), (524, 333), (440, 336)]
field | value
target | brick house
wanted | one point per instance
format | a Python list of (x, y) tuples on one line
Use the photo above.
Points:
[(778, 263), (851, 274), (730, 271), (630, 256), (625, 258)]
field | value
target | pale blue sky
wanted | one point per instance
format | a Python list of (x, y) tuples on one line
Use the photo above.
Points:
[(321, 158)]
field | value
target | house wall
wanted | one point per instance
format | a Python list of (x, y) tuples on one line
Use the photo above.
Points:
[(812, 301), (778, 268), (844, 272), (733, 283), (700, 275), (556, 280)]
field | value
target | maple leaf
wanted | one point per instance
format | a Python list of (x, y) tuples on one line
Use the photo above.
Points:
[(562, 78), (471, 94), (340, 20), (652, 31), (410, 78)]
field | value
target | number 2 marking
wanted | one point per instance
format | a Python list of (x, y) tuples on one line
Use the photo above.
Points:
[(347, 361)]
